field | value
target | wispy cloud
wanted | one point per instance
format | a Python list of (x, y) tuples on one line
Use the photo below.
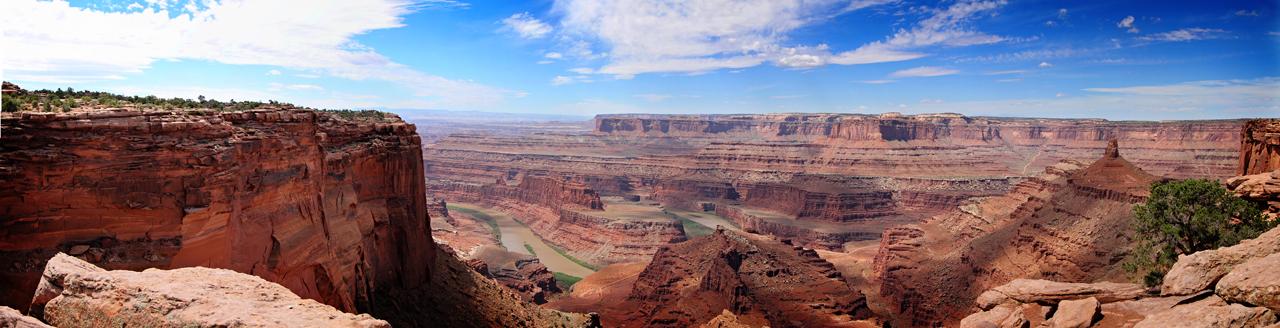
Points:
[(1044, 65), (877, 81), (1186, 34), (229, 32), (526, 26), (924, 71), (653, 36), (1243, 12)]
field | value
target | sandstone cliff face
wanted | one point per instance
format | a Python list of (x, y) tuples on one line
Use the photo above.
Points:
[(1069, 225), (1176, 149), (760, 280), (332, 209), (1260, 147)]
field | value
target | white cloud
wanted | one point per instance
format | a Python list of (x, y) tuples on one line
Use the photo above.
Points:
[(545, 62), (930, 101), (1062, 13), (1029, 55), (645, 36), (524, 25), (581, 70), (1060, 95), (1127, 23), (1243, 12), (877, 81), (553, 55), (54, 41), (1186, 34), (273, 72), (924, 71), (1044, 65)]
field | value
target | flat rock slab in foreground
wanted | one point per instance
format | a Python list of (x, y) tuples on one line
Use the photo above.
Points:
[(1045, 291), (187, 297)]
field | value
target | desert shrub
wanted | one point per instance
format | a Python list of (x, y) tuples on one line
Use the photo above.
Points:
[(1187, 216)]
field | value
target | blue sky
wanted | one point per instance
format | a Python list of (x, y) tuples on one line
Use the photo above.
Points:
[(1110, 59)]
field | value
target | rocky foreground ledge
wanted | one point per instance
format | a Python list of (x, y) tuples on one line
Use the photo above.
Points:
[(75, 293), (1235, 286)]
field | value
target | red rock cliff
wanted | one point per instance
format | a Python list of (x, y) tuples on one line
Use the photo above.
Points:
[(1260, 147), (332, 209)]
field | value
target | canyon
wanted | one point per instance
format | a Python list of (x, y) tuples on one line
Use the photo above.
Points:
[(784, 220), (826, 181), (330, 206)]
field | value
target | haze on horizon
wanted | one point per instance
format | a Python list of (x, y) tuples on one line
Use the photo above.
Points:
[(1103, 59)]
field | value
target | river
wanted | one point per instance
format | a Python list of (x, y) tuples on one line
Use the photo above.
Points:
[(516, 235)]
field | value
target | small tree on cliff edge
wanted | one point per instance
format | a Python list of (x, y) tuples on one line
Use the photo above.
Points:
[(1187, 216)]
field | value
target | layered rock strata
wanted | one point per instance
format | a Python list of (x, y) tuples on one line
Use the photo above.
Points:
[(759, 280), (1260, 147), (1069, 224), (862, 173), (331, 208)]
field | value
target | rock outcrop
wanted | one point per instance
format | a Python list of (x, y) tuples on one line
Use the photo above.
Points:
[(1255, 282), (1199, 271), (331, 208), (1068, 224), (1260, 147), (1261, 188), (1045, 291), (759, 280), (187, 297), (10, 318), (1245, 297)]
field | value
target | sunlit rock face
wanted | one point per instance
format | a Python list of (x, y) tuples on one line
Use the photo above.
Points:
[(1069, 224), (331, 208)]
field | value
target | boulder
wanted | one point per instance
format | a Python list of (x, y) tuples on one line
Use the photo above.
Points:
[(1003, 316), (1210, 314), (1075, 313), (1198, 271), (1255, 282), (187, 297), (10, 318), (55, 271), (1045, 291)]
